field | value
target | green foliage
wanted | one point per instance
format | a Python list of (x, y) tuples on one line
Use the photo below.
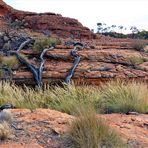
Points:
[(110, 31), (122, 98), (43, 43), (115, 34), (142, 34), (10, 61), (90, 131), (136, 60)]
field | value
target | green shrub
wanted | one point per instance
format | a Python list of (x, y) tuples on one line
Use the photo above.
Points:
[(43, 43), (118, 97), (90, 131), (10, 61)]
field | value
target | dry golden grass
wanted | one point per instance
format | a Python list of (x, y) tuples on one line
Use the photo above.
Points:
[(113, 97), (124, 97), (138, 45), (5, 130), (89, 131)]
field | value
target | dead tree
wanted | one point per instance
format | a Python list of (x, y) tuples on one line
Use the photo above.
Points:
[(37, 71)]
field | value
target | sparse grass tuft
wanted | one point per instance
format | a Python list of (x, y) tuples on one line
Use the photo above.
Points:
[(10, 61), (90, 131), (5, 130), (43, 43), (136, 60), (122, 98), (138, 45)]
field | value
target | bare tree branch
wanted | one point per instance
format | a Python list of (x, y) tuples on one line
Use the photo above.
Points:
[(76, 62)]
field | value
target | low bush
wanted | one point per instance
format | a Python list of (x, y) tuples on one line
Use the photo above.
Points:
[(10, 61), (42, 43)]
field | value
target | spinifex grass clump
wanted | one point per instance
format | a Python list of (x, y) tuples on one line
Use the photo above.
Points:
[(64, 98), (20, 97), (42, 43), (67, 98), (5, 122), (90, 131), (5, 130), (136, 60), (124, 97), (114, 97)]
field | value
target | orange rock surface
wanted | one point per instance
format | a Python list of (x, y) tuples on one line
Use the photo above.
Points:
[(44, 127)]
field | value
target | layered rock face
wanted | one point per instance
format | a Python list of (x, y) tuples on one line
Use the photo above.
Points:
[(102, 60), (96, 65), (49, 23)]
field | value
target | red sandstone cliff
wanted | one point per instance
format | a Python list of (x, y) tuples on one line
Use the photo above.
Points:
[(55, 23), (108, 59)]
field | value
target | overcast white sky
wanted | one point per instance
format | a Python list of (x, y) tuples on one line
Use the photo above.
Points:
[(90, 12)]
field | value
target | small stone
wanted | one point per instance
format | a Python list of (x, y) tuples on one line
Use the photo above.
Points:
[(7, 46), (6, 39), (132, 113)]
